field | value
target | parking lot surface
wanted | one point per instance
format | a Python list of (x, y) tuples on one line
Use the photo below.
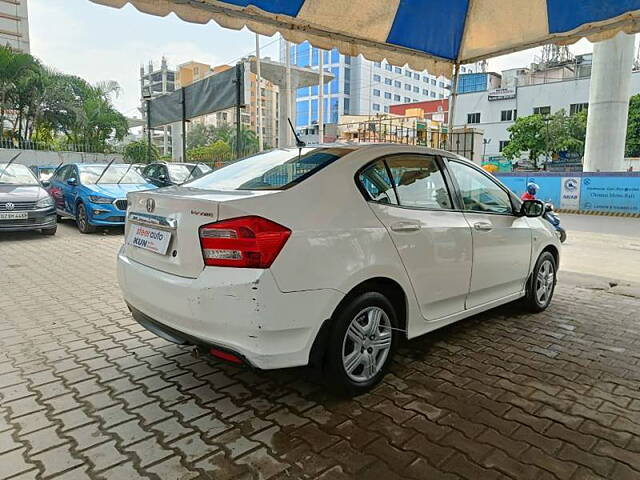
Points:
[(85, 392)]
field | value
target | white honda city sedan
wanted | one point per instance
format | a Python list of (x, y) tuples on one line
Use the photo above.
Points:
[(329, 256)]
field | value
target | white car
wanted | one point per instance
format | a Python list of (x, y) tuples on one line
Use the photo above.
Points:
[(328, 256)]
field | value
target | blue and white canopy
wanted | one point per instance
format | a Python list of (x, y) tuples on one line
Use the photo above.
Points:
[(426, 34)]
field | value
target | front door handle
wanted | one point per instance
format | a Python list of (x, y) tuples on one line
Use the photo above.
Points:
[(405, 227), (483, 226)]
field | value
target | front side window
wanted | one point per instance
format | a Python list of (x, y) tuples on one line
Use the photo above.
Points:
[(419, 182), (479, 192)]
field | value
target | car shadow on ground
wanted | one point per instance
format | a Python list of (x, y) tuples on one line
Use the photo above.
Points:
[(272, 385)]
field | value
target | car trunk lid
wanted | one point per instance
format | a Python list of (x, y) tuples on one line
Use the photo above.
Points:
[(162, 226)]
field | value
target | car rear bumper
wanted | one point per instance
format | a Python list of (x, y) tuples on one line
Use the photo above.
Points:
[(37, 219), (239, 310)]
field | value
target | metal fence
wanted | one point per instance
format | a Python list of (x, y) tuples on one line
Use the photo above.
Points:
[(389, 131), (59, 147)]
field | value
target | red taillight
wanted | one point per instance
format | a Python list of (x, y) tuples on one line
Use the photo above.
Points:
[(244, 242)]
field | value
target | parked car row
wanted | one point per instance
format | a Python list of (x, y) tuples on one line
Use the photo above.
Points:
[(94, 195)]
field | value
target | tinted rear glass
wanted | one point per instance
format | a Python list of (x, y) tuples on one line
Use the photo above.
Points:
[(273, 170)]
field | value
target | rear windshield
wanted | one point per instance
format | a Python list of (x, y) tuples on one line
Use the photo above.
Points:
[(274, 170)]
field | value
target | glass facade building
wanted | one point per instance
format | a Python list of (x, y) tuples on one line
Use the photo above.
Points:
[(360, 86)]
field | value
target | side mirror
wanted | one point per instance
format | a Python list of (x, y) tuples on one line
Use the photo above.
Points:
[(162, 178), (45, 183), (532, 208), (72, 182)]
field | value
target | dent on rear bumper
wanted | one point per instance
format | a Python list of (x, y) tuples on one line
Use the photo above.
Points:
[(240, 309)]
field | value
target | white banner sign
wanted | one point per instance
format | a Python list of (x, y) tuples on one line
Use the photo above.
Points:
[(502, 94), (570, 193)]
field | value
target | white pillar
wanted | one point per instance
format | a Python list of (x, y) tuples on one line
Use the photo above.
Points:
[(321, 97), (609, 104), (258, 96), (288, 94)]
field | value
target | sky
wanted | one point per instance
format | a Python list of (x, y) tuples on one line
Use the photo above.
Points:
[(101, 43)]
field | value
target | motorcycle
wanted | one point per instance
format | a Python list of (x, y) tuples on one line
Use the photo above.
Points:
[(551, 216)]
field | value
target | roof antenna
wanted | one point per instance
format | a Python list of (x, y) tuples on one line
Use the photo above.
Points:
[(299, 143)]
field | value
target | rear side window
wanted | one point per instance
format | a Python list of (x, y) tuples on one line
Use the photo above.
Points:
[(376, 182)]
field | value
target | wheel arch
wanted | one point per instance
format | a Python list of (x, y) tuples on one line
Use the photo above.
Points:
[(384, 285)]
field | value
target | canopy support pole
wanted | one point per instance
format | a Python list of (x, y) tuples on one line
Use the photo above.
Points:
[(321, 97), (287, 88), (259, 96), (452, 104)]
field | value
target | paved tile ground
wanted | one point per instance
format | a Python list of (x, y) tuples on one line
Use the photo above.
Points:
[(87, 393)]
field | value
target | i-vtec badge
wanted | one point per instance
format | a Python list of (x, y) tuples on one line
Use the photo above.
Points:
[(200, 213), (150, 205)]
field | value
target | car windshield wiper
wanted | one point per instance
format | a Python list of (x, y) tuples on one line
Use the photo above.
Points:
[(124, 174), (6, 167), (105, 170)]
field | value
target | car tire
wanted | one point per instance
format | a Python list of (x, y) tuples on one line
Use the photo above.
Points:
[(49, 231), (542, 283), (358, 352), (82, 219)]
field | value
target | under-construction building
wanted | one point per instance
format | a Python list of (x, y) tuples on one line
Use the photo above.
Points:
[(153, 83)]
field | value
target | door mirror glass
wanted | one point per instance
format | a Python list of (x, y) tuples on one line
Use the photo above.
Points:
[(45, 183), (72, 182), (162, 177), (532, 208)]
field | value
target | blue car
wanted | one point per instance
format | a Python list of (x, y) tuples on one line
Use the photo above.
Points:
[(95, 194)]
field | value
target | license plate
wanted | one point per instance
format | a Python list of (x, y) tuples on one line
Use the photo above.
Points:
[(151, 239), (14, 215)]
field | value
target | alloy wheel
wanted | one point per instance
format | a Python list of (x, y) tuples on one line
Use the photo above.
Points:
[(366, 344), (545, 281)]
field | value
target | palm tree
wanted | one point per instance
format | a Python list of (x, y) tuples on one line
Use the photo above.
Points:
[(13, 66)]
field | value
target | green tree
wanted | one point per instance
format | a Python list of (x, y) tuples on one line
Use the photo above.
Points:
[(217, 151), (547, 136), (14, 66), (138, 152), (633, 128)]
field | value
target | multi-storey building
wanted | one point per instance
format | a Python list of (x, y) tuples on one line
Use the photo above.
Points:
[(360, 86), (495, 102), (155, 82), (14, 25)]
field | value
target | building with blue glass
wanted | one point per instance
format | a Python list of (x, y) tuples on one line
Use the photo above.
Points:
[(360, 86)]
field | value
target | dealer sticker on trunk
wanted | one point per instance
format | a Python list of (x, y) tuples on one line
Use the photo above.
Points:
[(151, 239)]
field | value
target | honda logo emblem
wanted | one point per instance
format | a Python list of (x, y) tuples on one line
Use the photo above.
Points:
[(9, 206), (151, 205)]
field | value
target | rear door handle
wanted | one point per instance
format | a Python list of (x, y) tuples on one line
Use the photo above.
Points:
[(483, 226), (405, 227)]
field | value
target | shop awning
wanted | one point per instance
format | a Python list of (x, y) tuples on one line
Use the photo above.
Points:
[(426, 34)]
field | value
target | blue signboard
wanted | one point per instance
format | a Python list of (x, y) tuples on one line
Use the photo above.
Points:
[(549, 186), (610, 194)]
